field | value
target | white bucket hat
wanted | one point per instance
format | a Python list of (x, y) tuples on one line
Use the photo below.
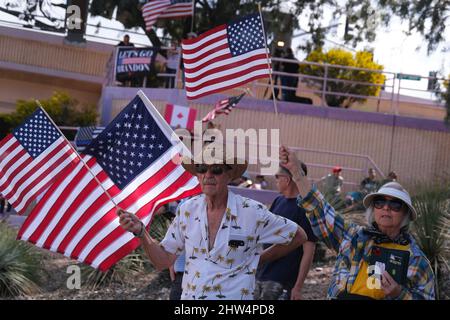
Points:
[(395, 190)]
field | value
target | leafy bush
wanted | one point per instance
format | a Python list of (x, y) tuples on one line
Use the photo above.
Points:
[(63, 109), (362, 59), (432, 229), (130, 265), (19, 265)]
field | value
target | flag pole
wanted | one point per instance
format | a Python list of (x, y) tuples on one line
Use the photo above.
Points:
[(268, 62), (193, 15), (78, 155)]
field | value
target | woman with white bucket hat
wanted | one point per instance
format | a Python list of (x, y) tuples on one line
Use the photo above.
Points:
[(382, 261)]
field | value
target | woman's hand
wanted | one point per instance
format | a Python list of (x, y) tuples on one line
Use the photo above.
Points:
[(130, 222), (289, 161), (391, 288)]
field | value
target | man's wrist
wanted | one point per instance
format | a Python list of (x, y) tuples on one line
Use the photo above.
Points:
[(298, 174), (140, 234)]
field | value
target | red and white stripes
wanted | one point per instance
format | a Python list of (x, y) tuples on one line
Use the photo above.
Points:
[(210, 66), (23, 178), (76, 218)]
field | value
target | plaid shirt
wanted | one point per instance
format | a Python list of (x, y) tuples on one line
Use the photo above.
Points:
[(353, 246)]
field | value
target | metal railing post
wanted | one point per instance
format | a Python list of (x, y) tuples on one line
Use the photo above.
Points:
[(324, 104)]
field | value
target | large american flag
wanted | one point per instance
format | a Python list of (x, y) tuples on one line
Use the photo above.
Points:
[(159, 9), (31, 158), (223, 106), (225, 57), (133, 160)]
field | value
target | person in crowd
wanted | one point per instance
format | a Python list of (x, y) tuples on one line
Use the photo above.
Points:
[(277, 67), (221, 233), (392, 177), (369, 184), (288, 273), (333, 182), (125, 42), (260, 183), (176, 276), (367, 256), (4, 204), (290, 81), (246, 181), (172, 63)]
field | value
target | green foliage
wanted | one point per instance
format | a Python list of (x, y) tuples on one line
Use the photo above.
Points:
[(361, 59), (428, 17), (279, 16), (19, 265), (63, 109), (363, 17), (432, 227), (159, 226), (127, 268)]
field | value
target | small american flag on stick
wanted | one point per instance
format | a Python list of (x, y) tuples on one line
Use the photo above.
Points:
[(223, 106)]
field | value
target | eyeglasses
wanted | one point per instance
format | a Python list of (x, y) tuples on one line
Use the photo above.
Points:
[(277, 176), (394, 205), (216, 170)]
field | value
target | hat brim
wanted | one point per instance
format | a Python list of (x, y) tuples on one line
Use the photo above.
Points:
[(236, 172), (367, 202)]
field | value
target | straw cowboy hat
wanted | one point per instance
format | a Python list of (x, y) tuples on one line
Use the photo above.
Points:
[(394, 190), (215, 153)]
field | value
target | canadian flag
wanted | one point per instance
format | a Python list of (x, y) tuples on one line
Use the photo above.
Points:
[(180, 117)]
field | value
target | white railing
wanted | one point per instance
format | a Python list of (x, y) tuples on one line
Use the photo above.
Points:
[(392, 89)]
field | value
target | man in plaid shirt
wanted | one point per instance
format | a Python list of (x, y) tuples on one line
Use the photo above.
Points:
[(390, 212)]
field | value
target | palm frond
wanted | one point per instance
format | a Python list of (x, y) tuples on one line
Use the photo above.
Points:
[(20, 265), (432, 227)]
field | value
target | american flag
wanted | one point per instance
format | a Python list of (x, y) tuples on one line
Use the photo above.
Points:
[(85, 135), (225, 57), (133, 160), (31, 158), (223, 106), (159, 9)]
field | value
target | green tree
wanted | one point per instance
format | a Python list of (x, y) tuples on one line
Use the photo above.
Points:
[(210, 13), (428, 17), (63, 109), (361, 59)]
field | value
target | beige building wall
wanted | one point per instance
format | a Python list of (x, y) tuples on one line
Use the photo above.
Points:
[(12, 90), (56, 56), (416, 154)]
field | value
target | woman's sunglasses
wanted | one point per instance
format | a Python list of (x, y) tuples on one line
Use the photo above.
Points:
[(216, 170), (394, 205)]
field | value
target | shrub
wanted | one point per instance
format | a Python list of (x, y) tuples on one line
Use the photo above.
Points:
[(432, 229), (19, 265)]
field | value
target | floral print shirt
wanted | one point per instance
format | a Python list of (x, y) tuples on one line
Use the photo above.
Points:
[(227, 271)]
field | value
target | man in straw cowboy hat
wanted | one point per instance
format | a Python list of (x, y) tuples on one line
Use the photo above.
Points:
[(221, 233), (381, 261)]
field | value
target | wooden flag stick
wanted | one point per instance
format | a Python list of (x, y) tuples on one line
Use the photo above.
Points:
[(268, 62), (78, 155)]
